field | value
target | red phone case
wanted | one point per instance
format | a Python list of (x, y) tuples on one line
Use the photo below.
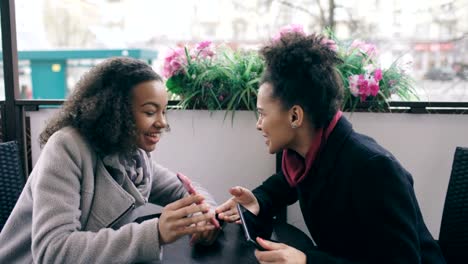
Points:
[(189, 187), (187, 183)]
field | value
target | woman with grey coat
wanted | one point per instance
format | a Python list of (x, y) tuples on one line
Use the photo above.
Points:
[(95, 171)]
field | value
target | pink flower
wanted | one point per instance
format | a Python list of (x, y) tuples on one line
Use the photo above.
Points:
[(330, 44), (373, 87), (367, 48), (292, 28), (378, 75), (363, 86), (203, 49), (174, 62), (203, 44)]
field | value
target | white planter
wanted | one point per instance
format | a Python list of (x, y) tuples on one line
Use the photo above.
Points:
[(220, 154), (214, 151)]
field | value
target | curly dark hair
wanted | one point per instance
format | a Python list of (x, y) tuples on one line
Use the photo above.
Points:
[(301, 69), (100, 105)]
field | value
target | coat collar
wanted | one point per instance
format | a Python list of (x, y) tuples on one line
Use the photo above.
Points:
[(326, 159), (329, 154), (110, 201)]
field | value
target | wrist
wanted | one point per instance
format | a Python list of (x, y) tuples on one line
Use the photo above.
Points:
[(161, 239)]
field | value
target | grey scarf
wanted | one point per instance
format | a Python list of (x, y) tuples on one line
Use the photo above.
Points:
[(134, 166)]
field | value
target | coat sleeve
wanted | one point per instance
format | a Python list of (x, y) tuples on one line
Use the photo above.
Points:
[(166, 188), (57, 235), (274, 194)]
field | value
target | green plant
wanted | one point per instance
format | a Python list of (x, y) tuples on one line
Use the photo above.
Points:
[(363, 78), (213, 78)]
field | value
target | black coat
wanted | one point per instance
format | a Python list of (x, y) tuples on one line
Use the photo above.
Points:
[(358, 203)]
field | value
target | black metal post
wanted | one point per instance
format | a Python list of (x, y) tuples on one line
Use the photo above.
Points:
[(14, 114)]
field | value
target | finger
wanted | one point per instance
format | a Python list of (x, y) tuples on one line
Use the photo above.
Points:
[(231, 215), (269, 245), (231, 211), (230, 218), (236, 191), (242, 195), (194, 229), (228, 205), (233, 218), (184, 202), (266, 256), (186, 221), (190, 209)]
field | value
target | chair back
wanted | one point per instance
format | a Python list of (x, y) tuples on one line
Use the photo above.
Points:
[(11, 179), (453, 238)]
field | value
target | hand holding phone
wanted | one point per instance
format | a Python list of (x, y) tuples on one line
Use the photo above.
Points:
[(253, 226), (191, 190)]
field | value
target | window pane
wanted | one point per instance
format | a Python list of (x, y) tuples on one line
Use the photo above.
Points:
[(428, 36)]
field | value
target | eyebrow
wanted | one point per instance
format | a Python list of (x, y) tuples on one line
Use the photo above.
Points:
[(151, 103)]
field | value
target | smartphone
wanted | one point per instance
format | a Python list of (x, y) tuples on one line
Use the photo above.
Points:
[(191, 190), (253, 226), (187, 183)]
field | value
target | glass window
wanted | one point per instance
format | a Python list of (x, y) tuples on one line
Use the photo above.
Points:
[(429, 37)]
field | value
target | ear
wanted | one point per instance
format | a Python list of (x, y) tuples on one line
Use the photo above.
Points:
[(296, 116)]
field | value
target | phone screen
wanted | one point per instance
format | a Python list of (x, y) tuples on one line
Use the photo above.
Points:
[(253, 226)]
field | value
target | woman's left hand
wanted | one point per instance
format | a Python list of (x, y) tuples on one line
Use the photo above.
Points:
[(205, 238), (278, 253)]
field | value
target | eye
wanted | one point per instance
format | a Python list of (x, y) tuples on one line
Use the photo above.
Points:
[(149, 113)]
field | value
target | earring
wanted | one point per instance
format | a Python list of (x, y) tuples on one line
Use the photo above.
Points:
[(293, 126)]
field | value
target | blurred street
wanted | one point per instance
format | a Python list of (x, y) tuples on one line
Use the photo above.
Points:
[(442, 91)]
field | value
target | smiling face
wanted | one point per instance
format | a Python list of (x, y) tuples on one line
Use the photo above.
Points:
[(149, 102), (274, 121)]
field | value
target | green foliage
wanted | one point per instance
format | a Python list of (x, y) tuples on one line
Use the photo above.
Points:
[(221, 79)]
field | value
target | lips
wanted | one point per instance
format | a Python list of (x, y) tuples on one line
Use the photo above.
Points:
[(152, 138)]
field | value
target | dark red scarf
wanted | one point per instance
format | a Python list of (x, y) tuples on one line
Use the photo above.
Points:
[(295, 167)]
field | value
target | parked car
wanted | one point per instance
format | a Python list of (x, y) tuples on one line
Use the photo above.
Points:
[(461, 70), (440, 74)]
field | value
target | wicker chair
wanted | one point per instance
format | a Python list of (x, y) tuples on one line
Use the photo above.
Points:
[(453, 238), (11, 179)]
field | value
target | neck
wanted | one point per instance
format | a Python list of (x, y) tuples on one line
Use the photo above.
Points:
[(304, 138)]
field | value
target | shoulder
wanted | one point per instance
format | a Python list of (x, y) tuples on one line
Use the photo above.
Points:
[(360, 148), (67, 142)]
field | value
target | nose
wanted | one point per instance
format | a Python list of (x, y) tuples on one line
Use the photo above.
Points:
[(161, 122), (259, 124)]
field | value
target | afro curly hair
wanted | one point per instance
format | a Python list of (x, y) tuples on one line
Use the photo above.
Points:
[(301, 70), (100, 105)]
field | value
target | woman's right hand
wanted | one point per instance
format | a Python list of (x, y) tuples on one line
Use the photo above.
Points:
[(175, 222), (228, 211)]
